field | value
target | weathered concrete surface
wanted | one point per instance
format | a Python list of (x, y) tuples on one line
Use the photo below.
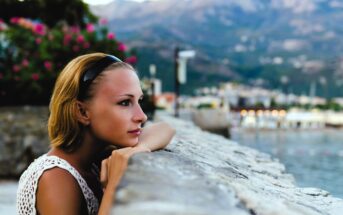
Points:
[(8, 192), (198, 173), (202, 173)]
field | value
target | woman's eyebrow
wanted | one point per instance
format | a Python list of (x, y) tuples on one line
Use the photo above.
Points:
[(131, 95)]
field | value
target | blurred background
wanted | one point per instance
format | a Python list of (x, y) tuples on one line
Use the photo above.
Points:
[(265, 73)]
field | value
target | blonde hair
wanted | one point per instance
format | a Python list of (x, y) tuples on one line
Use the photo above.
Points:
[(63, 127)]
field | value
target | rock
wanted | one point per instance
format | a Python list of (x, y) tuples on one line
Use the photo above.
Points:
[(23, 137), (203, 173)]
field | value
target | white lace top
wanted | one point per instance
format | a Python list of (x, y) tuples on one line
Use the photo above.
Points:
[(26, 193)]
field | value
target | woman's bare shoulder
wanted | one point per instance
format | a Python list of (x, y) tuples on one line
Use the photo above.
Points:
[(58, 192)]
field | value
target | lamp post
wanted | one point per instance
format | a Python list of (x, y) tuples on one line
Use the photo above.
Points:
[(176, 66), (180, 61), (152, 70)]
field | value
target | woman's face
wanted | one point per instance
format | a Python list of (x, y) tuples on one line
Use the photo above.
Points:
[(114, 111)]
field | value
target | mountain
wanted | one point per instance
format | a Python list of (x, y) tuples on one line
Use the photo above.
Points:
[(274, 43)]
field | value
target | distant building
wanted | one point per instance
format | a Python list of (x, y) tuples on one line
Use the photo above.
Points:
[(238, 95), (165, 101)]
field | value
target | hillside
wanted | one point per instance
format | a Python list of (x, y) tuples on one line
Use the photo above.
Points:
[(274, 43)]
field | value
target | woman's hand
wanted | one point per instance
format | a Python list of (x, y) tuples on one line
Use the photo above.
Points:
[(113, 168)]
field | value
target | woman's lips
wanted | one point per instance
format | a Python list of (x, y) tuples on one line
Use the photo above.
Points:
[(135, 132)]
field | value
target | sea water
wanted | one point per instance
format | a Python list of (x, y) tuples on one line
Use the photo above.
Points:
[(314, 157)]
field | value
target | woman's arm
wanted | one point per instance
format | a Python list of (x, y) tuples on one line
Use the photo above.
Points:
[(112, 169), (156, 136), (58, 193)]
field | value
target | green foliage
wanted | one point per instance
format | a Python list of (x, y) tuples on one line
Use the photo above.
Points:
[(330, 105), (259, 105), (205, 106), (32, 55), (273, 103)]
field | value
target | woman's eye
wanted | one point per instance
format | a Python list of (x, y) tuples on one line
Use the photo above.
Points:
[(124, 103)]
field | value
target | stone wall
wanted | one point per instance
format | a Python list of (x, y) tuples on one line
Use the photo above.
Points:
[(23, 137), (202, 173), (198, 173)]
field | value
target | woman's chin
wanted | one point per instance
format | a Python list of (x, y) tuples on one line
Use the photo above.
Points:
[(135, 143), (131, 143)]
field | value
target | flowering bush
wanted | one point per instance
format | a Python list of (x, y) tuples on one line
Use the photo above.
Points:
[(32, 55)]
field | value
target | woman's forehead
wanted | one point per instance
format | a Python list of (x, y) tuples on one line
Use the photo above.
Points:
[(120, 81)]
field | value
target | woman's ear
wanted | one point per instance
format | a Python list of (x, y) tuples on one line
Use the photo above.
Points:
[(82, 113)]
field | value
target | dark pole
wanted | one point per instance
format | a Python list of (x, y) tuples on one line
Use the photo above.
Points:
[(177, 84)]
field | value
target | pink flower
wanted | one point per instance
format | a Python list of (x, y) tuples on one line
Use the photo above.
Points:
[(131, 60), (25, 23), (86, 45), (76, 48), (35, 76), (90, 28), (48, 65), (39, 29), (38, 40), (25, 63), (2, 25), (121, 47), (80, 39), (16, 68), (103, 21), (66, 39), (1, 76), (110, 36), (75, 29), (14, 20)]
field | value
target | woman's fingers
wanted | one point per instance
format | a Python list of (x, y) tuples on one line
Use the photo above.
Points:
[(129, 151), (125, 150), (104, 172), (116, 164), (142, 148)]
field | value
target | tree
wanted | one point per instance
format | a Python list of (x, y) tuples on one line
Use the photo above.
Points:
[(32, 55), (50, 12)]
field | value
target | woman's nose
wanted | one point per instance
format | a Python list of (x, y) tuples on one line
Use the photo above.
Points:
[(140, 115)]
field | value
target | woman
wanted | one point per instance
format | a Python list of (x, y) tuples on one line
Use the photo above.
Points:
[(94, 106)]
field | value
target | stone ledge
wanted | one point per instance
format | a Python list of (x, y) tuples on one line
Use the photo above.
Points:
[(202, 173), (198, 173)]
